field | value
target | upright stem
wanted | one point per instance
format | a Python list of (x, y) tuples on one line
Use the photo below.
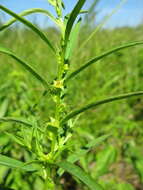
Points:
[(60, 76), (59, 84), (60, 89), (49, 183)]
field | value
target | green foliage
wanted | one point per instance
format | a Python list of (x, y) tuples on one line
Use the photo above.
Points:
[(58, 4), (28, 12), (72, 40), (43, 134), (94, 104), (125, 186), (105, 160), (25, 65), (72, 19), (94, 60), (12, 163), (28, 24), (76, 171)]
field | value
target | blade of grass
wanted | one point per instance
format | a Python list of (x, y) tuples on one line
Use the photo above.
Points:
[(72, 40), (15, 138), (103, 22), (74, 157), (12, 163), (97, 103), (92, 7), (15, 120), (4, 107), (28, 12), (103, 55), (20, 121), (26, 66), (80, 174), (72, 18), (29, 25)]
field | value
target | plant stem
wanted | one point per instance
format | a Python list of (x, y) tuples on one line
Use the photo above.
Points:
[(49, 183)]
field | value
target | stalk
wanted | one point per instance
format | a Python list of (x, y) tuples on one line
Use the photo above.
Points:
[(60, 106), (49, 183)]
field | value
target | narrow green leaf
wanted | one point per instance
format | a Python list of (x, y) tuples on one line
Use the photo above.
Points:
[(15, 138), (4, 87), (77, 155), (28, 12), (97, 103), (92, 7), (12, 163), (52, 2), (72, 18), (72, 40), (74, 157), (97, 141), (25, 65), (29, 25), (104, 159), (103, 55), (4, 107), (80, 174), (83, 12), (20, 121)]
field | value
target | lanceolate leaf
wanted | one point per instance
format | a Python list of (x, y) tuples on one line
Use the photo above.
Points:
[(80, 174), (77, 155), (104, 159), (74, 157), (29, 25), (97, 103), (4, 107), (28, 12), (72, 40), (72, 18), (12, 163), (20, 121), (25, 65), (15, 138), (103, 55)]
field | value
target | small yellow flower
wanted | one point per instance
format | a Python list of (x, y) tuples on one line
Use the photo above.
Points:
[(58, 84)]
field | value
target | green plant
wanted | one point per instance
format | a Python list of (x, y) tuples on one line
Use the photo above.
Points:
[(58, 130)]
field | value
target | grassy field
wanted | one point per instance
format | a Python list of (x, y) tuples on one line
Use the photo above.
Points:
[(116, 163)]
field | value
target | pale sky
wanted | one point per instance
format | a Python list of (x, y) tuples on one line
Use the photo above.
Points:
[(131, 13)]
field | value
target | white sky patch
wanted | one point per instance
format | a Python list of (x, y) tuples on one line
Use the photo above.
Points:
[(131, 14)]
